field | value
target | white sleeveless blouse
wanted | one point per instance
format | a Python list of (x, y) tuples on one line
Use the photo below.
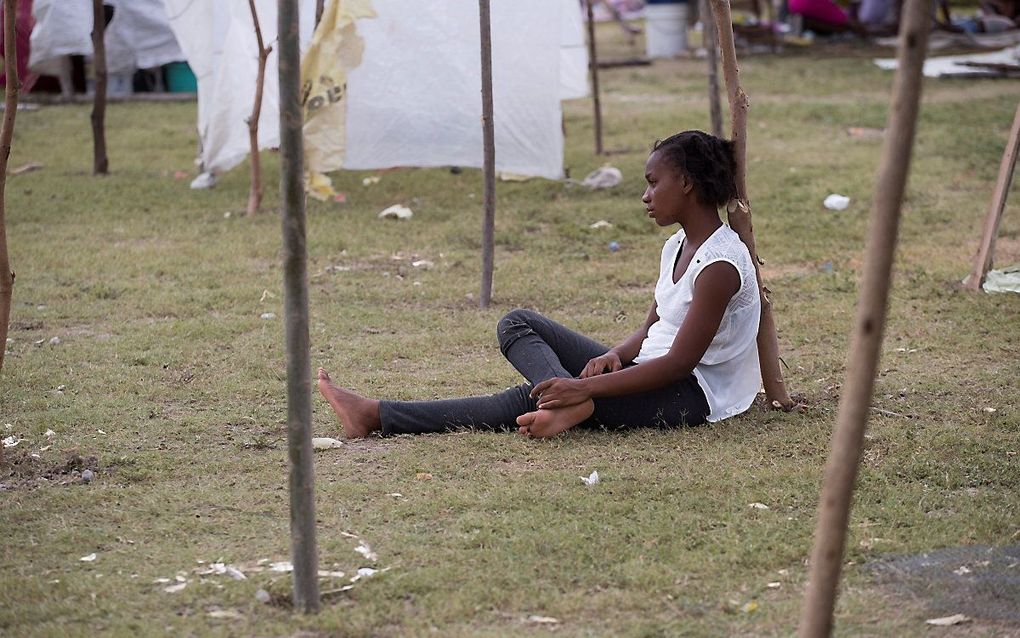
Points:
[(728, 373)]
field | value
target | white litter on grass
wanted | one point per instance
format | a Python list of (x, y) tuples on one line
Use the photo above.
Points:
[(424, 264), (543, 620), (55, 341), (101, 432), (368, 181), (12, 441), (1003, 280), (366, 572), (600, 224), (328, 574), (592, 478), (962, 570), (774, 585), (262, 596), (396, 212), (268, 316), (88, 559), (325, 443), (836, 202), (395, 495), (223, 568), (946, 621), (604, 177), (49, 433), (173, 589), (990, 410), (226, 613), (283, 566), (366, 551), (759, 506)]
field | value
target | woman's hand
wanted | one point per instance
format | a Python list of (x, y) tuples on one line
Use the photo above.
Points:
[(609, 362), (560, 393)]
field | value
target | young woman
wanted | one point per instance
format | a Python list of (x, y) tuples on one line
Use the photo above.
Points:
[(695, 359)]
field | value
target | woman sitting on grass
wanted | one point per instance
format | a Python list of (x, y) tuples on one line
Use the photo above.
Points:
[(695, 359)]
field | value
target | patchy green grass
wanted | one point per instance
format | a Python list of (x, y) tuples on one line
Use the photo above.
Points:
[(167, 375)]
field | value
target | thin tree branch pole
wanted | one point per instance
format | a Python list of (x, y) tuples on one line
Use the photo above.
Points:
[(100, 162), (854, 405), (740, 218), (983, 259), (711, 42), (295, 303), (593, 65), (320, 6), (255, 191), (6, 136), (489, 160)]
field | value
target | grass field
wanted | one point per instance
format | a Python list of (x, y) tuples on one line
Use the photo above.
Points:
[(167, 375)]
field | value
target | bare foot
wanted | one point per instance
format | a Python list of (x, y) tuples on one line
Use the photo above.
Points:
[(358, 415), (543, 423)]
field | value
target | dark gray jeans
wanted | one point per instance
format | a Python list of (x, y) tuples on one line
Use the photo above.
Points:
[(541, 349)]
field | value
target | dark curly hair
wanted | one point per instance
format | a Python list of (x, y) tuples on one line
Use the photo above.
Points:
[(707, 160)]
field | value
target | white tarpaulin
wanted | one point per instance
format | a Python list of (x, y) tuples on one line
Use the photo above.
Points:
[(218, 39), (952, 65), (574, 53), (414, 99), (138, 37)]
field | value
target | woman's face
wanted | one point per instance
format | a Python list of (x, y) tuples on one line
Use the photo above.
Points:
[(668, 192)]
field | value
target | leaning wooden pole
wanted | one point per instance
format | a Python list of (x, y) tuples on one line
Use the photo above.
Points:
[(320, 6), (489, 159), (847, 440), (593, 66), (712, 58), (255, 189), (295, 302), (6, 137), (986, 251), (100, 162), (740, 218)]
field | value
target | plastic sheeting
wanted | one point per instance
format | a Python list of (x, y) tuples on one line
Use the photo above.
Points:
[(951, 65), (218, 39), (138, 37), (414, 99)]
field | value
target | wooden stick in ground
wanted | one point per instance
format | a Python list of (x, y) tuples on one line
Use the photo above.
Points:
[(100, 162), (295, 305), (255, 192), (854, 405), (489, 160), (983, 259), (740, 218), (6, 136), (711, 42), (593, 66)]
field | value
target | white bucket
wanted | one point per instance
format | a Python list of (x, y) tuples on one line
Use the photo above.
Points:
[(665, 29)]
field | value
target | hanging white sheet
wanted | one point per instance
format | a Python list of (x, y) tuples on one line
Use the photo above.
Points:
[(138, 37)]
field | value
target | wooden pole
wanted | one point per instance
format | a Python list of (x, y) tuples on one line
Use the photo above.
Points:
[(489, 161), (320, 6), (711, 42), (593, 65), (100, 162), (847, 440), (6, 136), (255, 190), (295, 302), (983, 259), (740, 218)]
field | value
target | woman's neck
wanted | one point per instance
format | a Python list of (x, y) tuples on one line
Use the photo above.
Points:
[(701, 226)]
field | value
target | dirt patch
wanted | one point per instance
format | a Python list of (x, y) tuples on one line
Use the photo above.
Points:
[(979, 581), (22, 470)]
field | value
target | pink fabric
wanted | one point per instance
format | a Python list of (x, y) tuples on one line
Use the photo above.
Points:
[(23, 33), (821, 10)]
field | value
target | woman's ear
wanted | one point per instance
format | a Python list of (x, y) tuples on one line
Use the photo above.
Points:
[(686, 184)]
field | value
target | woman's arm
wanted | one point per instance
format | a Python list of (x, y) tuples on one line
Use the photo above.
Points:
[(623, 352), (713, 289)]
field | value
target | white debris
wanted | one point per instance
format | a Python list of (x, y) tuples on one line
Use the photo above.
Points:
[(283, 566), (262, 596), (49, 433), (101, 432), (55, 341), (962, 570), (203, 181), (368, 181), (268, 316), (396, 212), (774, 585), (12, 441), (543, 620), (365, 572), (161, 581), (366, 551), (592, 478), (226, 613), (88, 559), (173, 589), (759, 506), (957, 619), (836, 202), (422, 263), (325, 443), (328, 574), (395, 495), (600, 224), (604, 177), (990, 410)]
